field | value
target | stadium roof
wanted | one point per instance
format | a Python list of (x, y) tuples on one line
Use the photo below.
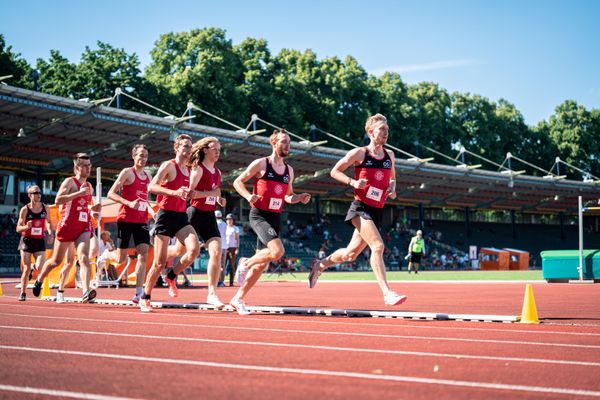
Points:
[(41, 131)]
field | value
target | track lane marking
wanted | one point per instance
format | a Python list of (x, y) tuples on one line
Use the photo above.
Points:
[(59, 393), (305, 346), (165, 313), (303, 371)]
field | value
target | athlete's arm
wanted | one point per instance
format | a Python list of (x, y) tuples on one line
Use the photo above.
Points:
[(22, 226), (166, 173), (68, 191), (353, 157), (125, 178), (255, 169)]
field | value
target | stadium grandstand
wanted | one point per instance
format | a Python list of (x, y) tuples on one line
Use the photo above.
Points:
[(455, 205)]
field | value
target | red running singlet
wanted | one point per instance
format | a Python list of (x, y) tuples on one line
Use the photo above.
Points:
[(138, 189), (172, 203), (74, 216), (377, 172), (272, 187), (38, 223), (208, 182)]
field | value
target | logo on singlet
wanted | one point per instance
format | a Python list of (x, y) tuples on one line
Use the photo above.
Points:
[(379, 175), (286, 179), (278, 189), (387, 164)]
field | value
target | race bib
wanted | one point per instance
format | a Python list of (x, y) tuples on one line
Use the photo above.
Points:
[(374, 194), (275, 204), (83, 216), (211, 200), (142, 206), (36, 231)]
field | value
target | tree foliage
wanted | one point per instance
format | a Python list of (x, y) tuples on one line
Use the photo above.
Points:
[(296, 89)]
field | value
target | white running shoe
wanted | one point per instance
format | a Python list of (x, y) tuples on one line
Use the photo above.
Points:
[(394, 299), (214, 300), (60, 298), (239, 305), (241, 271), (145, 305), (314, 274)]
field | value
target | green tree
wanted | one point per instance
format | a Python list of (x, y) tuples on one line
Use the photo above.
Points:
[(11, 63), (201, 66), (57, 75)]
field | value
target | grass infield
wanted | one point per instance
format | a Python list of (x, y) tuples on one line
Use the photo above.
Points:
[(535, 275)]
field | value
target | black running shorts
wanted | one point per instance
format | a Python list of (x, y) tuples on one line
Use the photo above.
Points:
[(125, 230), (204, 222), (266, 225)]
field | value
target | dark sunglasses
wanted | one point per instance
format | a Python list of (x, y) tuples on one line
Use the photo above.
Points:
[(35, 192)]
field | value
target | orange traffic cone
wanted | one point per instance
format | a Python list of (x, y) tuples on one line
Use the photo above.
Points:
[(529, 314), (45, 289)]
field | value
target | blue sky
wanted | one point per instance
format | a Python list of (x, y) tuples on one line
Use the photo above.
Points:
[(535, 54)]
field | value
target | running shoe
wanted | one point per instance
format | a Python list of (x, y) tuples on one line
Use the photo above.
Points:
[(37, 288), (60, 297), (214, 300), (88, 296), (314, 274), (172, 284), (239, 305), (145, 305), (241, 271), (394, 299), (136, 299), (22, 297)]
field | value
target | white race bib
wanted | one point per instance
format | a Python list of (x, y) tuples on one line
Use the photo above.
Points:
[(83, 216), (374, 194), (275, 204), (142, 206), (36, 231), (211, 200)]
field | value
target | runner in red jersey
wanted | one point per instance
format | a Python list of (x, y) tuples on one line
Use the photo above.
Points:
[(374, 181), (131, 191), (171, 184), (205, 195), (272, 186), (34, 219), (75, 200)]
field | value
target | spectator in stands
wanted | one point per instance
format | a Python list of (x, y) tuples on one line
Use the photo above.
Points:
[(232, 240), (34, 220), (322, 254), (374, 181), (106, 245), (416, 249)]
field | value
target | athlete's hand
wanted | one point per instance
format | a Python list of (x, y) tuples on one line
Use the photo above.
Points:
[(254, 198), (86, 190), (391, 195), (96, 207), (134, 204), (359, 184), (304, 198), (222, 201)]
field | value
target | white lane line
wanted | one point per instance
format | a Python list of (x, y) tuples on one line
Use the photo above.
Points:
[(304, 320), (59, 393), (329, 374), (312, 347), (335, 333)]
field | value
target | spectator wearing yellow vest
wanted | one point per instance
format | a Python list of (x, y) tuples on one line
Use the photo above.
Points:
[(416, 249)]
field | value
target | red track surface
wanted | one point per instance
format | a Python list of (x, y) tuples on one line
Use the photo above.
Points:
[(99, 350)]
